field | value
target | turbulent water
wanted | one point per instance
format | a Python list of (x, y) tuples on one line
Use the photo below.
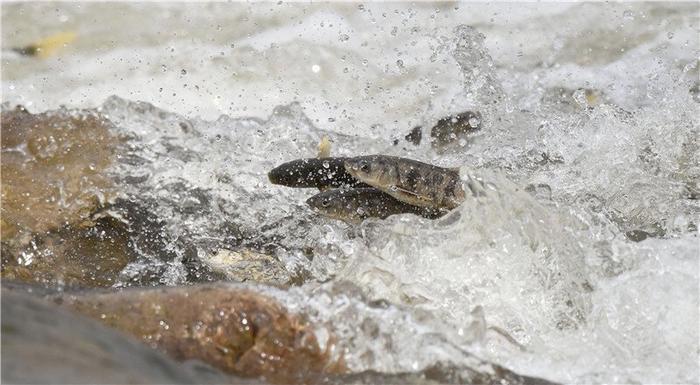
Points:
[(582, 243)]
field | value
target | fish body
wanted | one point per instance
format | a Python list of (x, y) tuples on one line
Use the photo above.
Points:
[(355, 205), (410, 181), (313, 172)]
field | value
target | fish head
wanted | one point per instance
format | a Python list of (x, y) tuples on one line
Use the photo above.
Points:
[(376, 171), (335, 204)]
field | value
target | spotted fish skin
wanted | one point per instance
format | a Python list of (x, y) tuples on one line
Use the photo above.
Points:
[(314, 172), (408, 180), (355, 205)]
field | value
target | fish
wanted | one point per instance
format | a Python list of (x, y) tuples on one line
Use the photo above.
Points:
[(47, 46), (314, 172), (410, 181), (355, 205)]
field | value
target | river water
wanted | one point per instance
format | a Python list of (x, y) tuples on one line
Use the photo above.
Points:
[(582, 245)]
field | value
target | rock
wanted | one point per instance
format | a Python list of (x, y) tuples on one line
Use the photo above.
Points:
[(45, 344), (453, 128), (227, 326), (92, 256), (247, 265), (53, 170), (54, 174), (439, 373)]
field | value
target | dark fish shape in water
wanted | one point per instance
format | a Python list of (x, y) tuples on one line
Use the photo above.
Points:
[(358, 204), (410, 181), (314, 172)]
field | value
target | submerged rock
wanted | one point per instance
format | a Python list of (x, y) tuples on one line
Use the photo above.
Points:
[(451, 129), (91, 256), (52, 169), (54, 179), (440, 374), (45, 344), (229, 327)]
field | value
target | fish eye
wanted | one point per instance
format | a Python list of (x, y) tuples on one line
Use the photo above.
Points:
[(364, 167), (325, 203)]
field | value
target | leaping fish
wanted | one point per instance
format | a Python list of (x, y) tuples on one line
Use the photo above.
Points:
[(410, 181), (355, 205)]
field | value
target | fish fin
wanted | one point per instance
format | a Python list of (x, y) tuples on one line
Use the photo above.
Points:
[(419, 197), (324, 147), (49, 45), (324, 151)]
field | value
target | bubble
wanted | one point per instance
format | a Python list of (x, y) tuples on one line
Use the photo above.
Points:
[(326, 164), (316, 68)]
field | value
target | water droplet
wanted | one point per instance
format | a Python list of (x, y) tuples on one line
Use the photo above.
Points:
[(164, 68), (365, 62), (316, 68), (394, 188), (183, 72), (669, 35), (628, 15), (394, 31), (344, 37), (399, 63), (326, 164)]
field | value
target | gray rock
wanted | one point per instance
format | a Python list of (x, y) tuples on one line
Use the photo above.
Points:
[(45, 344)]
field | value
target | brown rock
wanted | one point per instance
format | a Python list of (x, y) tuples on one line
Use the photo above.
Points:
[(226, 326), (53, 178), (77, 256), (52, 168)]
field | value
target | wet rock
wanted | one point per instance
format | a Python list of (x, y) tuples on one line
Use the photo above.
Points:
[(415, 136), (452, 129), (53, 170), (54, 173), (44, 344), (247, 265), (227, 326), (74, 256), (441, 374)]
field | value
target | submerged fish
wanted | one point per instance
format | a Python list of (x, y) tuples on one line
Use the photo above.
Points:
[(314, 172), (358, 204), (409, 180), (47, 46)]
